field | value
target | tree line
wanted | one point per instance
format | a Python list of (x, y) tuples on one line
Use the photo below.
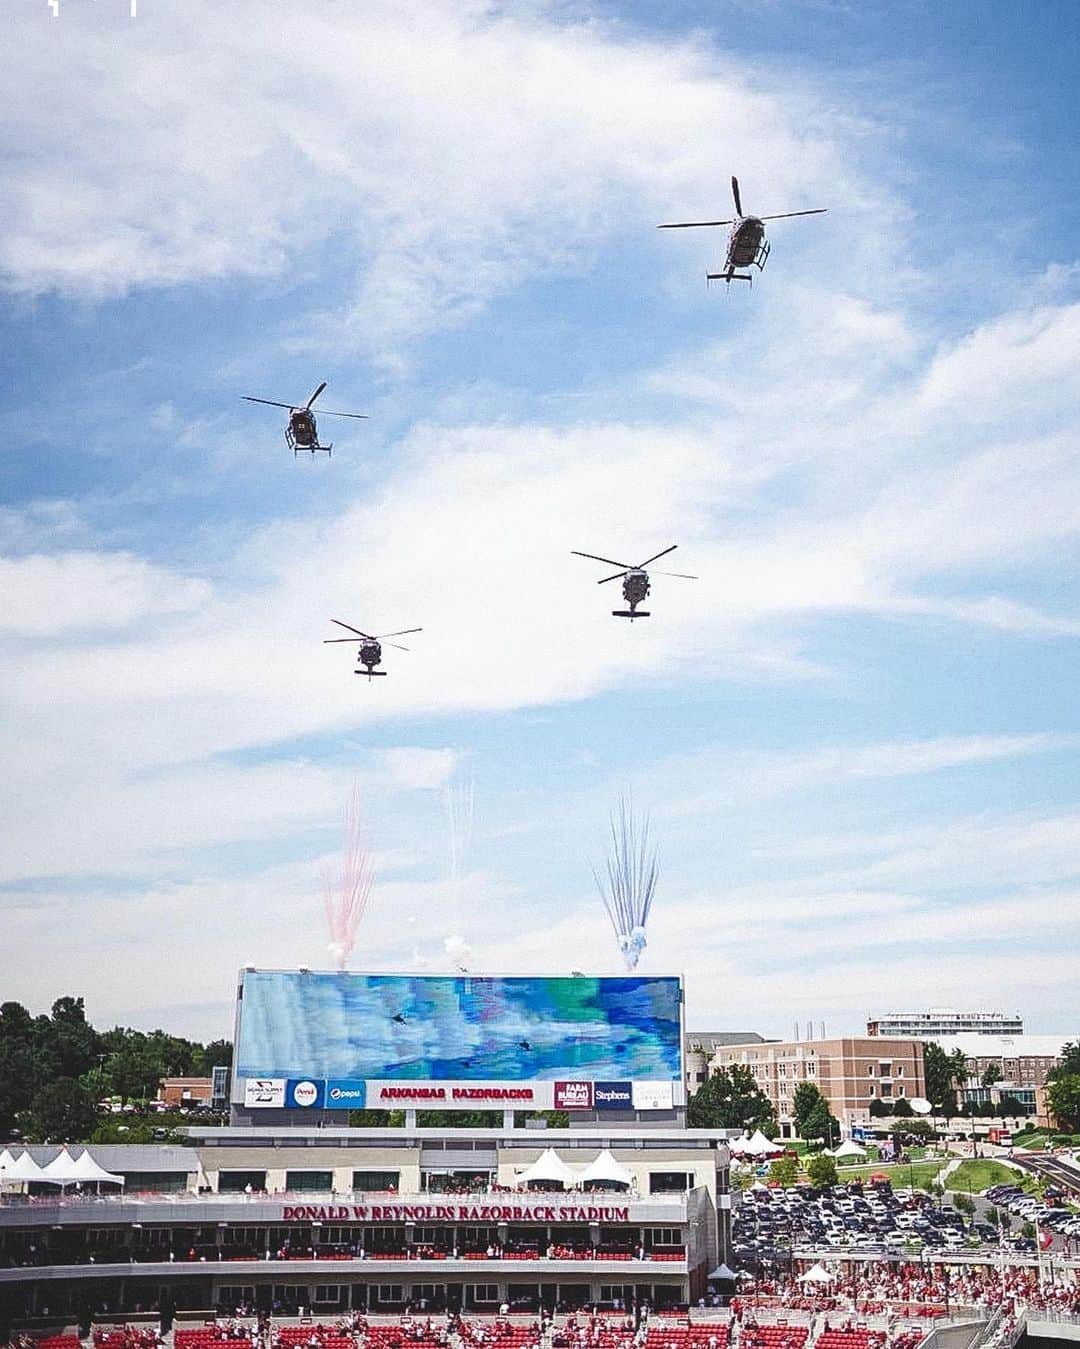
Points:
[(55, 1069)]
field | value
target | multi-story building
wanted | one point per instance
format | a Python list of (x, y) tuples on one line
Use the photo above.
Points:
[(333, 1219), (699, 1046), (940, 1021), (850, 1072), (1020, 1062)]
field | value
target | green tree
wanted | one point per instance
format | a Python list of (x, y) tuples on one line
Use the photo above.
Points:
[(1068, 1065), (70, 1041), (917, 1130), (62, 1111), (217, 1054), (805, 1101), (878, 1108), (731, 1099), (135, 1070), (822, 1123), (822, 1170), (990, 1074), (944, 1073), (901, 1108), (1063, 1095), (18, 1062), (785, 1170)]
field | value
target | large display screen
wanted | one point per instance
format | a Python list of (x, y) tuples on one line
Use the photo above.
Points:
[(324, 1028)]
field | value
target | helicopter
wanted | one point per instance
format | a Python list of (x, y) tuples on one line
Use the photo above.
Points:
[(370, 653), (747, 245), (301, 433), (635, 581)]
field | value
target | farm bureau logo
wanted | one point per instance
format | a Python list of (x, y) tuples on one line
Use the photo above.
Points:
[(573, 1095)]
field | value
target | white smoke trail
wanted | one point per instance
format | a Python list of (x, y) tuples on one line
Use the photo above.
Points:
[(632, 868), (458, 799)]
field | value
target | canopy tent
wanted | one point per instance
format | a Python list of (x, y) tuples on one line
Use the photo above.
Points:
[(605, 1169), (723, 1272), (24, 1168), (849, 1149), (62, 1169), (548, 1168), (817, 1274), (757, 1145), (89, 1172)]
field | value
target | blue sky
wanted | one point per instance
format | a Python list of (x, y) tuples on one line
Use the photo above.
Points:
[(856, 733)]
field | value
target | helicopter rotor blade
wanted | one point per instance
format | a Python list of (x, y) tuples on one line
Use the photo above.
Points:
[(397, 646), (682, 575), (325, 412), (610, 561), (657, 555), (366, 636), (787, 215), (316, 394), (403, 633), (735, 194), (268, 401), (694, 224), (329, 641), (606, 579)]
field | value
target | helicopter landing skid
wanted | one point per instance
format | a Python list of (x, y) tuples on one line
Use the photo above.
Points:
[(710, 277), (371, 674), (313, 449), (630, 613)]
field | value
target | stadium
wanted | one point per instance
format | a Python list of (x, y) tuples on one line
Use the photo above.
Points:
[(290, 1229)]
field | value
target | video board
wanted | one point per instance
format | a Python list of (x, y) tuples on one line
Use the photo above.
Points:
[(338, 1040)]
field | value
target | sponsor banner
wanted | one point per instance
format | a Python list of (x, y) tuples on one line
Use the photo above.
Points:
[(345, 1093), (612, 1096), (390, 1094), (267, 1093), (303, 1093), (573, 1095), (468, 1212), (653, 1096)]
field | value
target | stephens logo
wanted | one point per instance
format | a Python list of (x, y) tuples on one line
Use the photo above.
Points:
[(613, 1096), (573, 1095)]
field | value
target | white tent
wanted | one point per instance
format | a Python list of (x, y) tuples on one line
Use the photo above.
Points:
[(723, 1272), (849, 1149), (817, 1274), (549, 1166), (24, 1168), (63, 1169), (757, 1145), (89, 1172), (606, 1168)]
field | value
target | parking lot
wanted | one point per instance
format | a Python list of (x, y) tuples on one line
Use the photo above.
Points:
[(873, 1220)]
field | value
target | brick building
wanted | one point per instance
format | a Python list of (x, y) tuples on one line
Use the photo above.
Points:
[(850, 1072)]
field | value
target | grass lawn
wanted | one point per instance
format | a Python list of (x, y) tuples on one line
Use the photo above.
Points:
[(980, 1173), (901, 1176)]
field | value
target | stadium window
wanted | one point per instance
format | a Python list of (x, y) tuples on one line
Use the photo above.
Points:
[(389, 1292), (235, 1182), (329, 1293), (670, 1182), (160, 1182), (309, 1181), (485, 1292), (375, 1180)]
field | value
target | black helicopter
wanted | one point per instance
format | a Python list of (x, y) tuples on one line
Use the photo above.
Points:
[(747, 245), (370, 653), (301, 432), (635, 581)]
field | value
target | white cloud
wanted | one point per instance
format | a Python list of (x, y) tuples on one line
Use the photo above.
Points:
[(461, 149)]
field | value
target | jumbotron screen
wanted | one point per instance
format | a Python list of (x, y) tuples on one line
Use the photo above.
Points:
[(350, 1040)]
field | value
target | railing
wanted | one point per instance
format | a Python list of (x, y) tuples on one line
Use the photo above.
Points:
[(80, 1198)]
